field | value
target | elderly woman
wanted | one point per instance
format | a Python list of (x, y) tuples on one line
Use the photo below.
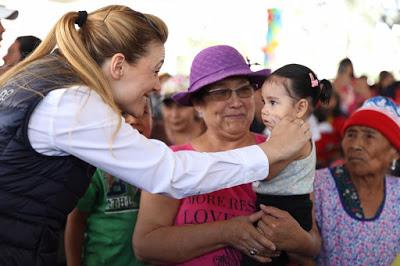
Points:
[(210, 229), (199, 230), (356, 205)]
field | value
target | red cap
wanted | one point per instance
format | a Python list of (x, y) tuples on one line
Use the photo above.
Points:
[(377, 120)]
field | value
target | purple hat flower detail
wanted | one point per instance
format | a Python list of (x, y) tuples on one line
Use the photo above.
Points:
[(216, 63)]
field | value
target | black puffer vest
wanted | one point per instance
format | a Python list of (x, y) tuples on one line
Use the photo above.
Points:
[(36, 192)]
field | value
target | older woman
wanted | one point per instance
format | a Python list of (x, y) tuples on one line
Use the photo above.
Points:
[(199, 230), (356, 205)]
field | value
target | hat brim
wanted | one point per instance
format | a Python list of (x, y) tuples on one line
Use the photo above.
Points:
[(256, 77), (6, 13)]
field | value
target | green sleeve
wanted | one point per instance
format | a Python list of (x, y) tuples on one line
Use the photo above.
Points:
[(88, 200)]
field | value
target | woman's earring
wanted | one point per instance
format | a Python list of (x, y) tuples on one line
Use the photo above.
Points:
[(393, 166)]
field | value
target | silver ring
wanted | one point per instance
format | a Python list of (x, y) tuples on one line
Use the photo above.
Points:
[(253, 252)]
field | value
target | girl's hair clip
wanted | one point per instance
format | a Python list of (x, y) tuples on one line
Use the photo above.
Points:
[(314, 81)]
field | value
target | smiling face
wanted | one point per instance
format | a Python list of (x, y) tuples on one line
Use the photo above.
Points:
[(230, 117), (132, 84), (367, 151)]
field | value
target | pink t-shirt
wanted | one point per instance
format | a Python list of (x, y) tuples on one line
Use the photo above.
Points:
[(216, 206)]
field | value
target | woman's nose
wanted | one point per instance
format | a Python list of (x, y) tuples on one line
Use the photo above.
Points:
[(175, 111), (235, 100), (357, 143), (157, 86)]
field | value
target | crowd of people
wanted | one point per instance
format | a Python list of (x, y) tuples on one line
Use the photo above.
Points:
[(225, 166)]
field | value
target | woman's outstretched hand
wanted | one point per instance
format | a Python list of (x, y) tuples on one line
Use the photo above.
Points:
[(287, 138)]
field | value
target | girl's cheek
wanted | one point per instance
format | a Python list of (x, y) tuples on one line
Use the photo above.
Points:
[(275, 119)]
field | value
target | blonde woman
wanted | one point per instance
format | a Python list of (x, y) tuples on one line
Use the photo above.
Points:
[(60, 112)]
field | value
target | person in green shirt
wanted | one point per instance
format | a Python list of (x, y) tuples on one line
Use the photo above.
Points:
[(99, 230)]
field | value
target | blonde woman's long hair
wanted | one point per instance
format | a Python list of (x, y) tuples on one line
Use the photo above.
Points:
[(106, 31)]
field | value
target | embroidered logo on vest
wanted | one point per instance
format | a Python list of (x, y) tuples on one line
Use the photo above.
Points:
[(5, 94)]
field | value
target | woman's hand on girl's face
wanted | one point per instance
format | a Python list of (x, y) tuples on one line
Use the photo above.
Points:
[(287, 138), (241, 234)]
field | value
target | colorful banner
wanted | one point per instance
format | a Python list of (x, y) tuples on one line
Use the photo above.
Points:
[(274, 27)]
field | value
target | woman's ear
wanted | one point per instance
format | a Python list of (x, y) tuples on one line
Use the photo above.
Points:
[(302, 108), (393, 154), (198, 106), (396, 155), (117, 66)]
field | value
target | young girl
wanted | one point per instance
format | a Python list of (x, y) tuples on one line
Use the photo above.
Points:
[(292, 90)]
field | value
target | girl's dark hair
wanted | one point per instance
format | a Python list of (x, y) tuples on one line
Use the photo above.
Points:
[(303, 83), (27, 44)]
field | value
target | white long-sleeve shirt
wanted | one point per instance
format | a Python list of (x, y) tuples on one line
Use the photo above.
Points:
[(76, 121)]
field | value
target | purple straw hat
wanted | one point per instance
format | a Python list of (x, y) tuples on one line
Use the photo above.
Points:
[(216, 63)]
